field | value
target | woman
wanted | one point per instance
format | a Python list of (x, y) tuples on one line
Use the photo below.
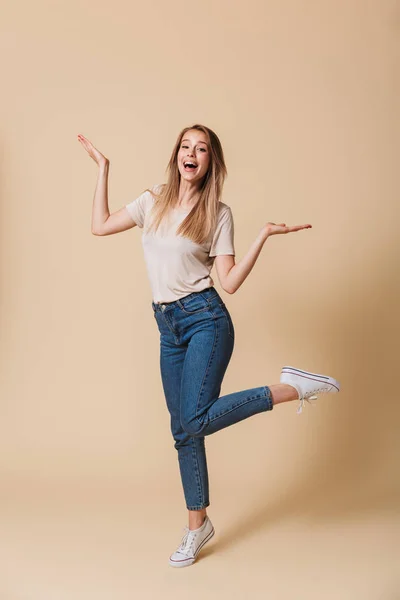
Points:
[(186, 228)]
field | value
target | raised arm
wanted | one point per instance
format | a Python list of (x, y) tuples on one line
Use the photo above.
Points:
[(102, 222), (231, 275)]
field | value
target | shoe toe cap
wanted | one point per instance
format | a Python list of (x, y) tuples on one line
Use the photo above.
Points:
[(178, 559)]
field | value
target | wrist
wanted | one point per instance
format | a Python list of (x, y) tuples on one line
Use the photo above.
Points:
[(262, 237), (103, 166)]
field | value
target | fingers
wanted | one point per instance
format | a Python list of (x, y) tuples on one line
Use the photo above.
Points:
[(292, 228), (286, 229), (85, 141), (299, 227), (90, 149)]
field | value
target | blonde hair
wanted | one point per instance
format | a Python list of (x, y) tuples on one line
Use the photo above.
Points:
[(202, 219)]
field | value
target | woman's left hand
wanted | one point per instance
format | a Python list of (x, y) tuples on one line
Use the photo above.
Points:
[(276, 228)]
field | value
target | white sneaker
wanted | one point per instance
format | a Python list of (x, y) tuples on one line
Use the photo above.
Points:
[(308, 385), (191, 544)]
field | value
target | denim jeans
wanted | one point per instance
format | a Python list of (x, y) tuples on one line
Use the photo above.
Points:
[(196, 343)]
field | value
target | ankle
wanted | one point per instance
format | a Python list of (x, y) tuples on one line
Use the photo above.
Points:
[(196, 521), (283, 392)]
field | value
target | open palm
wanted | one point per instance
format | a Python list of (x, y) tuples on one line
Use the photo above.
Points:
[(97, 156), (276, 228)]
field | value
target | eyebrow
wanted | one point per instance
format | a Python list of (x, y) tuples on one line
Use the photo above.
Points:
[(186, 140)]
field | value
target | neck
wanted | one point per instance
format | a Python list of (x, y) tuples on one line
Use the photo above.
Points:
[(188, 194)]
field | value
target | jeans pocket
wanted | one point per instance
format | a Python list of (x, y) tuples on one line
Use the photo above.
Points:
[(193, 304)]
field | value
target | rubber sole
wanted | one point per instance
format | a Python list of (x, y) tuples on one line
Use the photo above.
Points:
[(190, 561)]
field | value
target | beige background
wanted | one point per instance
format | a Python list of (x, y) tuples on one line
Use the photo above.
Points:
[(304, 96)]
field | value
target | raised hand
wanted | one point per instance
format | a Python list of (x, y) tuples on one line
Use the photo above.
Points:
[(97, 156), (274, 228)]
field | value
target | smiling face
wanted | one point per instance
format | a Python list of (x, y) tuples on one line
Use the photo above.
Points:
[(194, 151)]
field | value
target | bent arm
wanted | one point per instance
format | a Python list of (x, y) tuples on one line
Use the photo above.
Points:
[(102, 222), (231, 275)]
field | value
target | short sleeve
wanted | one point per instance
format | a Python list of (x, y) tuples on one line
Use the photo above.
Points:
[(139, 207), (223, 240)]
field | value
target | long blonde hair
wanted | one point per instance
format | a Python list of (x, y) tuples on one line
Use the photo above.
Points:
[(202, 219)]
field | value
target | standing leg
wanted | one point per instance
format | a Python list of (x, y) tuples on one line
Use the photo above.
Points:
[(191, 450)]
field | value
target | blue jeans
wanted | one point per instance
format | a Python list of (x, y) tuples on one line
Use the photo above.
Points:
[(196, 344)]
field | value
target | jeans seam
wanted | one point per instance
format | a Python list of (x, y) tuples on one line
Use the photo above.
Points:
[(208, 366), (198, 507), (230, 331), (196, 312), (268, 397), (198, 478), (188, 312), (224, 310), (170, 327)]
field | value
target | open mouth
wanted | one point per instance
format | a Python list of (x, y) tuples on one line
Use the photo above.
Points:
[(189, 166)]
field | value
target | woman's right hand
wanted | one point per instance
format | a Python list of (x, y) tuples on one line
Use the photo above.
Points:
[(97, 156)]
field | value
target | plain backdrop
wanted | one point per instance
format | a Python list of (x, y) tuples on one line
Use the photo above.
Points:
[(305, 99)]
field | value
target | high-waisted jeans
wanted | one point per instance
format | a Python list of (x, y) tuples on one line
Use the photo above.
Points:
[(196, 343)]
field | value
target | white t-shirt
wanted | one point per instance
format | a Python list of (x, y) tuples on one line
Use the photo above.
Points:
[(176, 266)]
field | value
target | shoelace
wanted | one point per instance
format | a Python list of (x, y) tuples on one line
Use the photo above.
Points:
[(187, 542), (306, 398), (303, 399)]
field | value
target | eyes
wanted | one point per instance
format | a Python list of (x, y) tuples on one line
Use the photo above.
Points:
[(202, 149)]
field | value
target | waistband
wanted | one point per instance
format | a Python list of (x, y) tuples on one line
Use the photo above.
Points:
[(207, 293)]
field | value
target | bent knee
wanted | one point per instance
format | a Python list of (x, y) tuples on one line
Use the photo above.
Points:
[(193, 428)]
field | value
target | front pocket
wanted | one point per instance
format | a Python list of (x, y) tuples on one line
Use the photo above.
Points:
[(195, 304)]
